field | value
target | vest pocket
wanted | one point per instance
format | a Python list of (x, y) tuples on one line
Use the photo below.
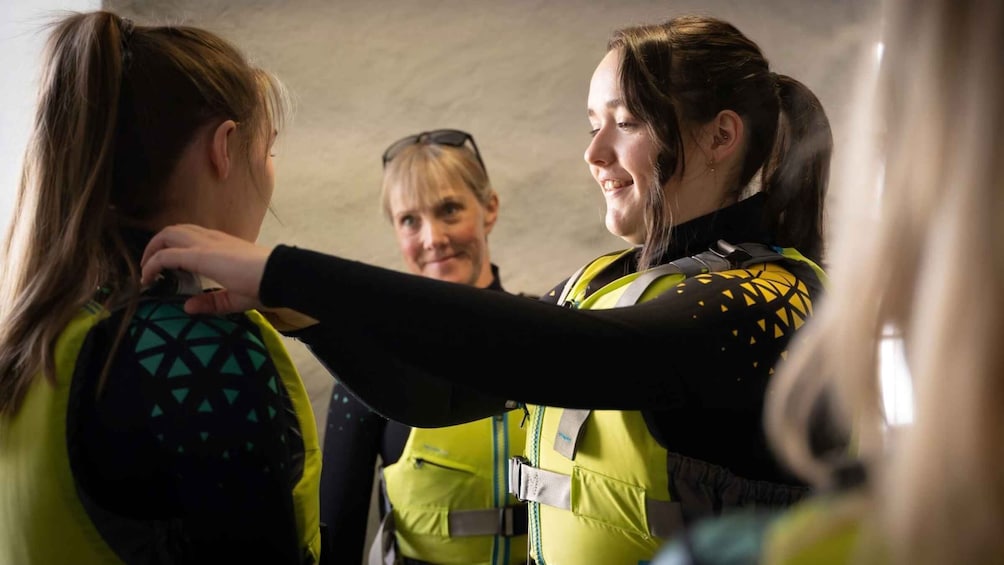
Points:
[(614, 503)]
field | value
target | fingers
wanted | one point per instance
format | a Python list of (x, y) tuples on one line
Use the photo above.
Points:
[(218, 302), (180, 235), (165, 259), (205, 303), (157, 256), (232, 262)]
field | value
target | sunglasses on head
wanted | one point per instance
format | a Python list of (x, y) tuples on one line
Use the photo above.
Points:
[(449, 137)]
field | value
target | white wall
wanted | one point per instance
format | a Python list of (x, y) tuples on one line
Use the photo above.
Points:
[(21, 42)]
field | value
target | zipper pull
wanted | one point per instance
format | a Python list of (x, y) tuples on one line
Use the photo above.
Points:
[(512, 405)]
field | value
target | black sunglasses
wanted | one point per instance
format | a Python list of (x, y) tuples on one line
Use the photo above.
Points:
[(450, 137)]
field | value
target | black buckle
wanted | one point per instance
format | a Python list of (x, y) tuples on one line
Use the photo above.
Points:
[(513, 520), (736, 256)]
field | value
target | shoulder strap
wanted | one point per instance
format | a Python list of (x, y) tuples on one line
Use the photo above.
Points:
[(603, 260), (724, 258)]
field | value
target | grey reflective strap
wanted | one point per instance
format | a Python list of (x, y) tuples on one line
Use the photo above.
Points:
[(704, 262), (665, 519), (709, 261), (382, 551), (527, 482), (569, 284), (569, 430), (640, 284), (486, 522)]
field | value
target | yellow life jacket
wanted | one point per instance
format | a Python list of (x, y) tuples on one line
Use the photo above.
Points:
[(596, 480), (42, 519), (449, 496)]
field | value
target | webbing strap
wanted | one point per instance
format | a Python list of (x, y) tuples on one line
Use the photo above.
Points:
[(711, 261), (569, 284), (665, 518), (530, 483), (526, 482), (383, 551), (569, 430), (508, 521)]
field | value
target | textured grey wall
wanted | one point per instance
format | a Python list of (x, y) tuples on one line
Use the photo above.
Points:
[(514, 73)]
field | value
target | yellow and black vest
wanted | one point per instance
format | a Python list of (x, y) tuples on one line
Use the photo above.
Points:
[(597, 480), (42, 519), (449, 499)]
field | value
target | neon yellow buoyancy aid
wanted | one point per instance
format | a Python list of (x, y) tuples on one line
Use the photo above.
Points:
[(41, 518), (597, 480), (449, 495)]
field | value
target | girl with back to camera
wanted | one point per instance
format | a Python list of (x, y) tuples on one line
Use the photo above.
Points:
[(131, 431), (714, 169)]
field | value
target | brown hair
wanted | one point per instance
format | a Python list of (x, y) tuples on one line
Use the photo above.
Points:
[(687, 70), (118, 104)]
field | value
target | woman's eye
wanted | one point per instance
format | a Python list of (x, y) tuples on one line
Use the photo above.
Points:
[(593, 132)]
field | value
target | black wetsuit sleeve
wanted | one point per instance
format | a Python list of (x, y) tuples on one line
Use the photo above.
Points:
[(352, 441), (709, 344), (192, 434)]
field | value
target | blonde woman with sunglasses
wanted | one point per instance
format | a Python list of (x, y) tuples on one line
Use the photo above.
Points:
[(443, 494)]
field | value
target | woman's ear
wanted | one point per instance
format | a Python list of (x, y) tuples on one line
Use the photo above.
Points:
[(219, 149), (726, 134), (491, 212)]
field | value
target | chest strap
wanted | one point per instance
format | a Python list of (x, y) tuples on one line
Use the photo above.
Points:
[(533, 484), (723, 257), (508, 521)]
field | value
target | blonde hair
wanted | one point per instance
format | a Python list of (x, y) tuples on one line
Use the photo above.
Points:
[(422, 170), (117, 106), (928, 264)]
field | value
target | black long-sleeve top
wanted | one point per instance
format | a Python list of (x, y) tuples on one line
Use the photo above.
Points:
[(695, 363)]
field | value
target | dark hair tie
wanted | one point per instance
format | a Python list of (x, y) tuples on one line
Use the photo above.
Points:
[(126, 28)]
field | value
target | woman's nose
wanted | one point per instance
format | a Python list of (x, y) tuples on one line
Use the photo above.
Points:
[(434, 234), (599, 151)]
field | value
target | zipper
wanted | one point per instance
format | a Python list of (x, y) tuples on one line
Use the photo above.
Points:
[(534, 507)]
